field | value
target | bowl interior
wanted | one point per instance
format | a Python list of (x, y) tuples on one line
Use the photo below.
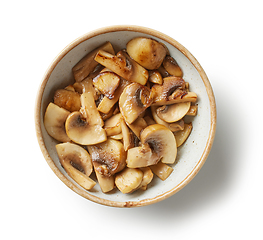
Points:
[(191, 155)]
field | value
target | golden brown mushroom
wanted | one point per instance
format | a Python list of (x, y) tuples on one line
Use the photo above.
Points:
[(133, 101)]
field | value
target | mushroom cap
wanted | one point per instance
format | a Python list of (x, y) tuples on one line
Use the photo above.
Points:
[(134, 99), (54, 122), (147, 52), (79, 130)]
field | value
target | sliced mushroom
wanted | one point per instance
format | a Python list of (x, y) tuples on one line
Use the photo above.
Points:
[(128, 141), (162, 170), (182, 135), (110, 155), (107, 183), (192, 111), (175, 126), (106, 104), (107, 82), (112, 125), (70, 88), (137, 126), (172, 91), (87, 64), (123, 65), (134, 99), (155, 77), (158, 142), (172, 67), (147, 177), (81, 132), (89, 109), (54, 122), (67, 99), (77, 163), (174, 112), (128, 180), (147, 52), (76, 155)]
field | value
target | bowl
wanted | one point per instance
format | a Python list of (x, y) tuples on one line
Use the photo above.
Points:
[(191, 156)]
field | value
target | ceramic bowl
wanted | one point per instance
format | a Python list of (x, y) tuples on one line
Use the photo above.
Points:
[(191, 156)]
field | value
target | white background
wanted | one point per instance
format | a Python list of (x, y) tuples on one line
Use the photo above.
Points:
[(224, 200)]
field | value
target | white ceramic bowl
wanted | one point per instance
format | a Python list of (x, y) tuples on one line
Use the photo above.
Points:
[(191, 156)]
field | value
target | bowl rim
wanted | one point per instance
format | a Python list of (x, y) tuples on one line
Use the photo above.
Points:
[(175, 44)]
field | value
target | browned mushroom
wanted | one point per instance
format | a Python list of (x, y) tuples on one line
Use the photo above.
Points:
[(172, 91), (123, 65), (87, 64), (147, 52), (134, 99), (172, 67), (110, 155)]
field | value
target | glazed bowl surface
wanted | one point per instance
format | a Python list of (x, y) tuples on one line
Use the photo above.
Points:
[(191, 156)]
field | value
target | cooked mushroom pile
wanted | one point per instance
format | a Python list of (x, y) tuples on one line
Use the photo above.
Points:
[(123, 118)]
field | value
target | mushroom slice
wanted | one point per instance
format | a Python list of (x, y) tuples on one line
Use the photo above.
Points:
[(161, 170), (137, 126), (123, 65), (182, 135), (192, 111), (128, 141), (77, 163), (147, 177), (134, 99), (128, 180), (87, 64), (89, 109), (67, 99), (106, 183), (172, 67), (147, 52), (54, 122), (113, 125), (155, 77), (81, 132), (158, 142), (110, 155), (174, 112), (76, 155), (107, 104), (172, 91), (172, 126), (107, 82)]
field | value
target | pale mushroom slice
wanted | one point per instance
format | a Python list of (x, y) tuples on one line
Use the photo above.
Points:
[(107, 82), (174, 112), (123, 65), (162, 170), (137, 126), (192, 111), (158, 142), (147, 52), (110, 155), (147, 177), (175, 126), (54, 122), (112, 125), (172, 91), (77, 163), (67, 99), (182, 135), (76, 155), (81, 132), (87, 64), (128, 141), (134, 100), (172, 67), (129, 180)]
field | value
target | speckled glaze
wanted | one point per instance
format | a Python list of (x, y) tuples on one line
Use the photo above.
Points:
[(191, 156)]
